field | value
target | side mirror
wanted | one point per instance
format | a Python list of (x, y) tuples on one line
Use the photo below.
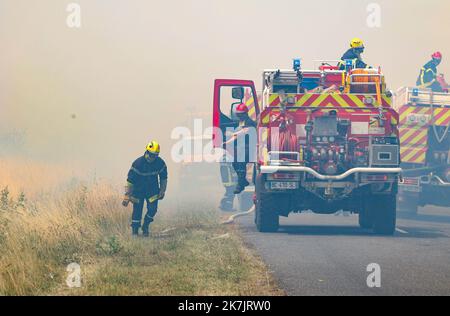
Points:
[(237, 93)]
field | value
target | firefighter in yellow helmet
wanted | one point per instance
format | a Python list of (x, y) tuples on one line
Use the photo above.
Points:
[(354, 54), (146, 182)]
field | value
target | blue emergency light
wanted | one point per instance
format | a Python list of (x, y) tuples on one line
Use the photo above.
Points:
[(415, 92), (349, 62), (297, 64)]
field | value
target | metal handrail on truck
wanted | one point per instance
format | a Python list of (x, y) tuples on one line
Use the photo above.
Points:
[(274, 169)]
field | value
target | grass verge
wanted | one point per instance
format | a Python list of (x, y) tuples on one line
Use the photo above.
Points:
[(189, 253)]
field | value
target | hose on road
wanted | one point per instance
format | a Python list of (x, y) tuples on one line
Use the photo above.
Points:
[(231, 219)]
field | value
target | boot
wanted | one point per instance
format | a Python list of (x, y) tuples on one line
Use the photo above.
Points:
[(239, 189), (226, 204), (146, 231), (135, 231)]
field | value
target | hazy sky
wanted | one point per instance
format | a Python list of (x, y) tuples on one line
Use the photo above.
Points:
[(135, 66)]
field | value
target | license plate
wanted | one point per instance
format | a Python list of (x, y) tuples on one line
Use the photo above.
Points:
[(283, 185)]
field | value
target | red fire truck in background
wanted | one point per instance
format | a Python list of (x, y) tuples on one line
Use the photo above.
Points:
[(327, 140), (425, 146)]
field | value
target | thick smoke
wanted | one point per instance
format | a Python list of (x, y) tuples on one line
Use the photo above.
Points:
[(95, 96)]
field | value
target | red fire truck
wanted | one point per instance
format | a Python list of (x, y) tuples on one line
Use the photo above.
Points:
[(327, 140), (425, 146)]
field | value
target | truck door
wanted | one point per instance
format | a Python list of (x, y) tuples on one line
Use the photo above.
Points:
[(229, 93)]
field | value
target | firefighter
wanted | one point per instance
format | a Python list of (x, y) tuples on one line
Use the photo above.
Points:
[(354, 54), (147, 182), (428, 74), (244, 126)]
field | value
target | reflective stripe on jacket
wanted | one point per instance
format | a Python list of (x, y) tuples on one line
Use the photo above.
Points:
[(427, 75)]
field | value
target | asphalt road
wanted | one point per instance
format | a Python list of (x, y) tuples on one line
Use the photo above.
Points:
[(328, 255)]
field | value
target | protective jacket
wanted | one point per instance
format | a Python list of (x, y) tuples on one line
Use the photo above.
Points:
[(355, 57), (427, 77), (244, 148), (145, 178)]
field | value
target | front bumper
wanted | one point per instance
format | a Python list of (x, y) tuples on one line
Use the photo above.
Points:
[(434, 180), (302, 169)]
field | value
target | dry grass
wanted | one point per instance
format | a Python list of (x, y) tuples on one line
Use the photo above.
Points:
[(39, 237), (36, 178)]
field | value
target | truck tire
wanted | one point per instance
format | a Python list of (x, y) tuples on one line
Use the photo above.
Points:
[(383, 210), (267, 219), (365, 219)]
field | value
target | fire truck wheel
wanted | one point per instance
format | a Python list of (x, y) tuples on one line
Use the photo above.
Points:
[(267, 219), (383, 210), (365, 220)]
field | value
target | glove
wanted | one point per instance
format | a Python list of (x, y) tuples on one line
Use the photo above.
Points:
[(126, 201), (127, 196), (162, 190)]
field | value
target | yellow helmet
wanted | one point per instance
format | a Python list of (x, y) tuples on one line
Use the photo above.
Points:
[(153, 148), (356, 43)]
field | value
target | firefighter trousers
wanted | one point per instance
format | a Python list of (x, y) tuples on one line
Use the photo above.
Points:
[(241, 171), (136, 219), (226, 204)]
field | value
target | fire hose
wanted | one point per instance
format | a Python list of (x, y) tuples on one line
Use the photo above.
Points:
[(286, 140), (231, 219)]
